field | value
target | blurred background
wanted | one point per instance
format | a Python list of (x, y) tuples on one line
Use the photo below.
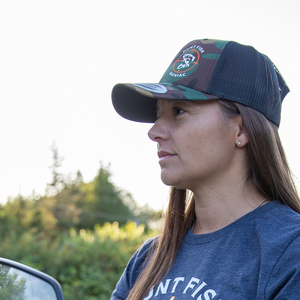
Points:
[(60, 59), (67, 160)]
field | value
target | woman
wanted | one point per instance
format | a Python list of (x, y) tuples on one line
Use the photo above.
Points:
[(232, 227)]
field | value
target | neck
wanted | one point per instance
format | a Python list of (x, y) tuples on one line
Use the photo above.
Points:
[(218, 206)]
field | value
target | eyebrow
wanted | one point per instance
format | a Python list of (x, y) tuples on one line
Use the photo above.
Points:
[(172, 101)]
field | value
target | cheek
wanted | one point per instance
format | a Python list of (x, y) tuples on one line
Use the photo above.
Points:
[(208, 144), (200, 139), (196, 146)]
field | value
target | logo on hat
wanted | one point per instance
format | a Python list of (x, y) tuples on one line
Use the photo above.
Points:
[(186, 61)]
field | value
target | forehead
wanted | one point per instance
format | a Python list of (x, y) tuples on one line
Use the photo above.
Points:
[(165, 103)]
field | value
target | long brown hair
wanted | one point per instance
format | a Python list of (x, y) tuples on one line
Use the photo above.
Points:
[(268, 172)]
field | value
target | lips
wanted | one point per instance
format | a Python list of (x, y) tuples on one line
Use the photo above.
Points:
[(164, 155)]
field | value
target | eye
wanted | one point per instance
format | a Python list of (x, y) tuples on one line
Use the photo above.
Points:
[(178, 111)]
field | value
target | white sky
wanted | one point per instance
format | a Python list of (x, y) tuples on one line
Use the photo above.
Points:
[(60, 59)]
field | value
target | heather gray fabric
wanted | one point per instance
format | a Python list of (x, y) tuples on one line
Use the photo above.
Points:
[(256, 257)]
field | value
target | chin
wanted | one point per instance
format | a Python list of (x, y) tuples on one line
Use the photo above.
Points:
[(167, 180), (171, 181)]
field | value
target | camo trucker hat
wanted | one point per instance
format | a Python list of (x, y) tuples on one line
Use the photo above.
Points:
[(207, 70)]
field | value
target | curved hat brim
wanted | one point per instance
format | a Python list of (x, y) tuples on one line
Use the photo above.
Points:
[(137, 102)]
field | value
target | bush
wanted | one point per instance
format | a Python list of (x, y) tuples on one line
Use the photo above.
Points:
[(86, 263)]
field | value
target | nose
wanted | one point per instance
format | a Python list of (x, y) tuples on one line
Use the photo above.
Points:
[(158, 131)]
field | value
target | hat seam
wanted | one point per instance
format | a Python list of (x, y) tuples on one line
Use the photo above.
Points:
[(212, 70)]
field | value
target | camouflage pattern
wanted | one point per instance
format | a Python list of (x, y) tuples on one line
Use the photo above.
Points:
[(193, 68), (189, 73), (200, 72)]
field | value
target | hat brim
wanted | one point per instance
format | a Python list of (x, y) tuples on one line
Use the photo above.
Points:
[(137, 102)]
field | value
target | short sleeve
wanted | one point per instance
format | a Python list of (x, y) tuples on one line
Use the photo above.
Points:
[(284, 282), (131, 272)]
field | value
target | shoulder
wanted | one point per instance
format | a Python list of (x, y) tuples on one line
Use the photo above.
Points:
[(277, 219), (278, 228), (135, 264), (284, 279), (133, 270)]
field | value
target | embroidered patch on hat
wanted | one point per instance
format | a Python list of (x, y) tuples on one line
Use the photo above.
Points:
[(186, 61)]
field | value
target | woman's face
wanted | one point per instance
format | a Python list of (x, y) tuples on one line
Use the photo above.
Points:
[(196, 144)]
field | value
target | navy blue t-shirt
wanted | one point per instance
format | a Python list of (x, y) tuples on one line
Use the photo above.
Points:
[(255, 257)]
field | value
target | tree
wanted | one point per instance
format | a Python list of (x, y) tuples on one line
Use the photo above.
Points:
[(83, 205), (103, 202), (57, 183), (71, 203)]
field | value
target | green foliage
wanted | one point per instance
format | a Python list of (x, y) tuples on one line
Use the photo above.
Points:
[(82, 205), (17, 215), (57, 183), (67, 235), (86, 263), (103, 202), (78, 204)]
